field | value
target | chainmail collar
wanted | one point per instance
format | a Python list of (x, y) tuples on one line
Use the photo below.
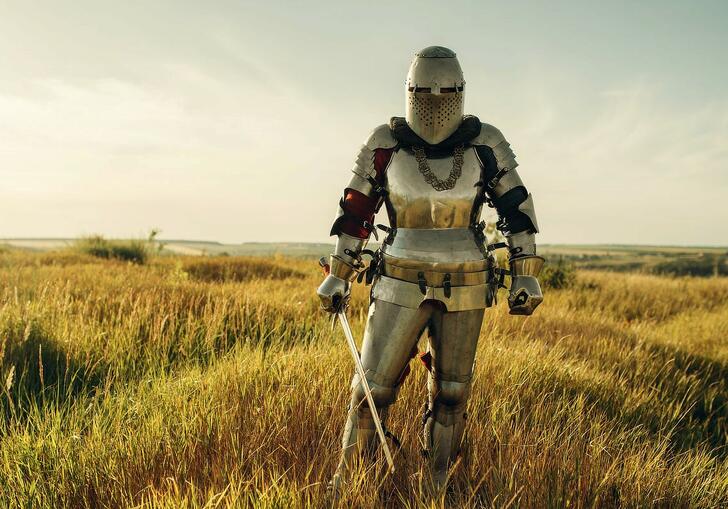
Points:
[(468, 129)]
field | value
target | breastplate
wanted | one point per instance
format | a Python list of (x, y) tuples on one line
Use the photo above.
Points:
[(417, 204), (432, 227), (433, 254)]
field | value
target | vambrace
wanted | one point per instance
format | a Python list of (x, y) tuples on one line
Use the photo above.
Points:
[(521, 244), (345, 260)]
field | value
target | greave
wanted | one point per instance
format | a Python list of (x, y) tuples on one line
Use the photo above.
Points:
[(445, 425), (359, 438), (444, 431)]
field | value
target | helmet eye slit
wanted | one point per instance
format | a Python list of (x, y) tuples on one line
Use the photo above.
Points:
[(428, 90)]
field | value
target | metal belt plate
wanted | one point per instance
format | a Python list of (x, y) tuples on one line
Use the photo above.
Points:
[(403, 293), (436, 279)]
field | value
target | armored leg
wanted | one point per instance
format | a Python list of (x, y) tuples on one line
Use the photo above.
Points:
[(453, 342), (390, 336)]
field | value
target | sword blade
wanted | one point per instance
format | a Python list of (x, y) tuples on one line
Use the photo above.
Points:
[(365, 385)]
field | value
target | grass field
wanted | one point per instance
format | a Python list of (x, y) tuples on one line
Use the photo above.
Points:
[(217, 382)]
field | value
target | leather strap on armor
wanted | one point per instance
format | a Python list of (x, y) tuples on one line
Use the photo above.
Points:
[(436, 279), (469, 128), (354, 215)]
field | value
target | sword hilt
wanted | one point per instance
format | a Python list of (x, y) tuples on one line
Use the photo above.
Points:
[(324, 264)]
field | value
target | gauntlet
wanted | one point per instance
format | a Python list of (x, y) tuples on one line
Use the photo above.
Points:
[(333, 292), (525, 293)]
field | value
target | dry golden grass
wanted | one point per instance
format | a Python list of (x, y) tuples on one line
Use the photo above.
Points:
[(178, 384)]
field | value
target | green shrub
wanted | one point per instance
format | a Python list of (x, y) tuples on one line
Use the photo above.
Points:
[(236, 269), (703, 265), (134, 250), (560, 275)]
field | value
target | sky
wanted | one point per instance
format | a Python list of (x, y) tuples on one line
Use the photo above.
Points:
[(240, 121)]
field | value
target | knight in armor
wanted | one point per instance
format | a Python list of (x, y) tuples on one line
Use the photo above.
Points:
[(433, 170)]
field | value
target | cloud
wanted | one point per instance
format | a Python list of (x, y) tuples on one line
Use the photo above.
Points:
[(94, 150), (233, 147), (627, 167)]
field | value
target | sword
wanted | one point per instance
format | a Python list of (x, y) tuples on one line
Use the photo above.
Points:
[(359, 367), (365, 385)]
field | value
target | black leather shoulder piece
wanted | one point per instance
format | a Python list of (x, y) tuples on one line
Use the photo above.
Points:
[(512, 220), (468, 130), (487, 160)]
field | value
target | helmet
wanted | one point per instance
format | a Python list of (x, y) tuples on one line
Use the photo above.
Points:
[(435, 91)]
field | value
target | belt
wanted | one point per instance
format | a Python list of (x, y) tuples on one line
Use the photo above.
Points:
[(436, 279)]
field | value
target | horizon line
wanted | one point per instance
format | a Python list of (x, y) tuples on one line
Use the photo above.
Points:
[(198, 241)]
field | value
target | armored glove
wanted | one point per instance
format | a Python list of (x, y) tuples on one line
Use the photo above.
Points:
[(525, 294), (333, 293)]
